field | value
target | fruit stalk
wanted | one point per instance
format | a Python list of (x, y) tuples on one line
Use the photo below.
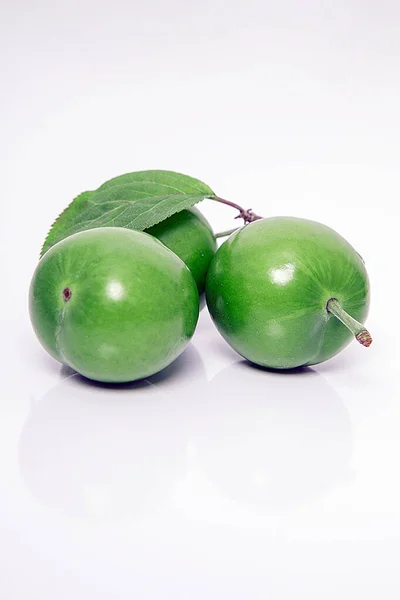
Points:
[(247, 215), (226, 233), (361, 334)]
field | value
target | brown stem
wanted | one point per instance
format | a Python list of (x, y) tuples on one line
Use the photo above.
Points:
[(247, 215)]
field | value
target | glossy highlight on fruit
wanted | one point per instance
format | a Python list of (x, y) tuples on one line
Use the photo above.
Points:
[(277, 288), (190, 236), (114, 304)]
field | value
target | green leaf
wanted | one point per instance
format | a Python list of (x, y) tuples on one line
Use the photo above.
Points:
[(135, 201)]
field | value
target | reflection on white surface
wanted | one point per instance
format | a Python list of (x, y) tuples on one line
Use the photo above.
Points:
[(272, 440), (108, 451), (245, 486), (282, 275), (277, 440)]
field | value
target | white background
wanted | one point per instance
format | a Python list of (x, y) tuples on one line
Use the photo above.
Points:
[(216, 480)]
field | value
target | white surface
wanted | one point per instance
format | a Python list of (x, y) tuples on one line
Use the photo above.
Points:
[(219, 480)]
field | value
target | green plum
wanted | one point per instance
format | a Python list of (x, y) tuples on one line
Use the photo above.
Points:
[(287, 292), (114, 304), (190, 236)]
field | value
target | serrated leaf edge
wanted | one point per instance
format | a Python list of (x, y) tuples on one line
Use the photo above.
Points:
[(170, 213), (42, 250)]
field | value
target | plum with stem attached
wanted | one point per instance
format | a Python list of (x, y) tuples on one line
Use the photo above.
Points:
[(287, 292)]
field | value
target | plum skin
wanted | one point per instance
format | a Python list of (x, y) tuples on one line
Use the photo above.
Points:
[(268, 286), (115, 305), (190, 236)]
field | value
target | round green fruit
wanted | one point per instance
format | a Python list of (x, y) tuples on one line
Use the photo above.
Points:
[(281, 292), (190, 236), (114, 304)]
